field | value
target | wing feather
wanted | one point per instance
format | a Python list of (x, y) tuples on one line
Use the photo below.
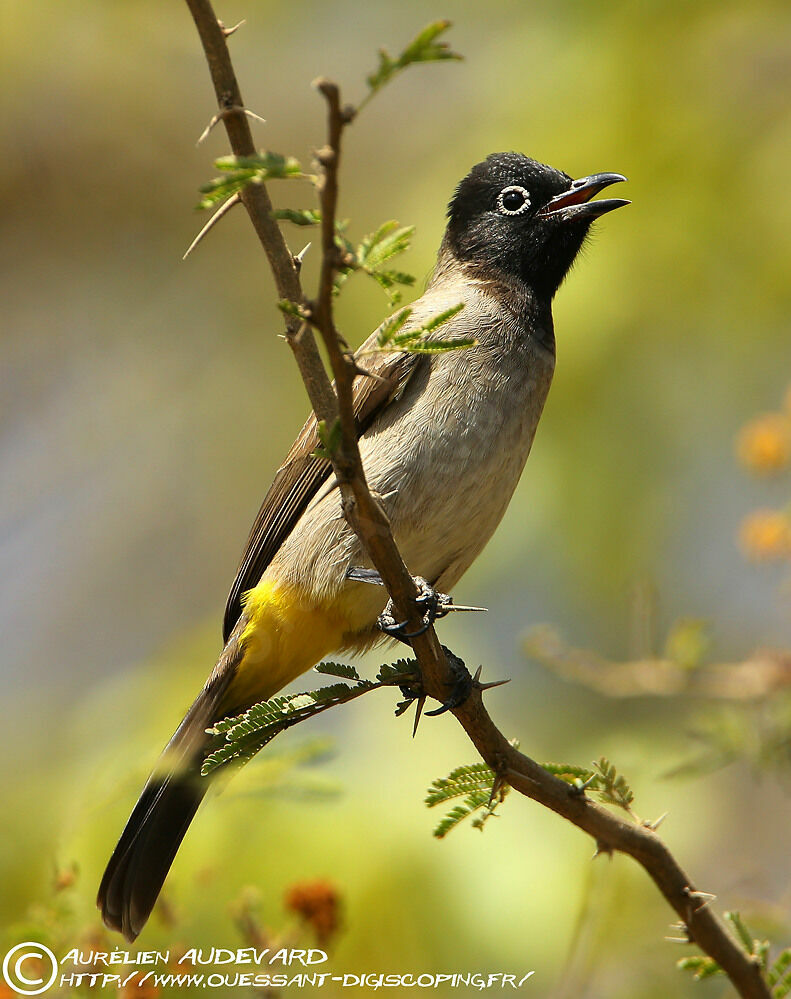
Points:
[(301, 474)]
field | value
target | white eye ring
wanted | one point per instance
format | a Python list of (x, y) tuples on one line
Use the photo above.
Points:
[(514, 188)]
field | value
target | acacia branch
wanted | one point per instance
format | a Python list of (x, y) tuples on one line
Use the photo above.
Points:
[(255, 199), (365, 514)]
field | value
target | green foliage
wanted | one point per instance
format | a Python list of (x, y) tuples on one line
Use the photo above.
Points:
[(391, 335), (299, 216), (603, 781), (569, 772), (424, 47), (342, 670), (779, 975), (245, 735), (401, 671), (239, 171), (701, 967), (330, 439), (239, 738), (744, 935), (612, 787), (374, 250), (290, 308), (480, 788)]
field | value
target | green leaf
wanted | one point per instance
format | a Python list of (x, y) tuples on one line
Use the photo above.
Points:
[(239, 171), (611, 787), (433, 324), (238, 739), (779, 975), (476, 783), (338, 669), (402, 669), (419, 339), (460, 781), (291, 308), (438, 346), (390, 327), (246, 734), (424, 47), (330, 439), (781, 965), (741, 931), (701, 967), (387, 242), (299, 216), (568, 772)]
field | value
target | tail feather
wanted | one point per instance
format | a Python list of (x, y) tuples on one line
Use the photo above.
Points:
[(140, 862), (167, 805)]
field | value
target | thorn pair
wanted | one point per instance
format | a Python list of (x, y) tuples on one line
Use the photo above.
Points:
[(223, 113)]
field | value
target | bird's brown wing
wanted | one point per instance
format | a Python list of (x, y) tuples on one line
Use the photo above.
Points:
[(301, 474)]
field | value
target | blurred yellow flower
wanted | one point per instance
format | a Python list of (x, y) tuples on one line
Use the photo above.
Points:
[(764, 444), (766, 535)]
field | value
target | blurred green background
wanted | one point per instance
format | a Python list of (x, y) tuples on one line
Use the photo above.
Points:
[(145, 404)]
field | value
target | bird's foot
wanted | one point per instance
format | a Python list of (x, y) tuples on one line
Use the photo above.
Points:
[(461, 685), (431, 602)]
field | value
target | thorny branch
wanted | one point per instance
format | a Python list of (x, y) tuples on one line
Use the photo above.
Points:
[(610, 832)]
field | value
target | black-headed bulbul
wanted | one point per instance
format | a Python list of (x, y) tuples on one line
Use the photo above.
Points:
[(443, 438)]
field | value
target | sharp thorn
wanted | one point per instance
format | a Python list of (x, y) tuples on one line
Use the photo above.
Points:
[(299, 257), (703, 897), (418, 712), (493, 683), (220, 213), (212, 122), (254, 116), (602, 849), (222, 113), (653, 826), (463, 607), (229, 31)]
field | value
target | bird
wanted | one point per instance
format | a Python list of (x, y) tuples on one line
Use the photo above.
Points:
[(443, 438)]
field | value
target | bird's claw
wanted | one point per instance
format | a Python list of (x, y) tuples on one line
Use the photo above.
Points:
[(461, 684), (432, 603)]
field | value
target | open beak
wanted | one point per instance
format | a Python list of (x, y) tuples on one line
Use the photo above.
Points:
[(575, 205)]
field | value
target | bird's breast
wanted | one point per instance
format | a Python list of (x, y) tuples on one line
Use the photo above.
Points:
[(448, 457)]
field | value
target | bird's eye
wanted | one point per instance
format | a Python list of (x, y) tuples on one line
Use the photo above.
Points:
[(513, 200)]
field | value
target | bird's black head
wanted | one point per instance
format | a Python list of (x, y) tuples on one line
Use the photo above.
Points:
[(519, 218)]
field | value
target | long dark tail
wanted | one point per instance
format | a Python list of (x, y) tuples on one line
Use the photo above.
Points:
[(140, 862)]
